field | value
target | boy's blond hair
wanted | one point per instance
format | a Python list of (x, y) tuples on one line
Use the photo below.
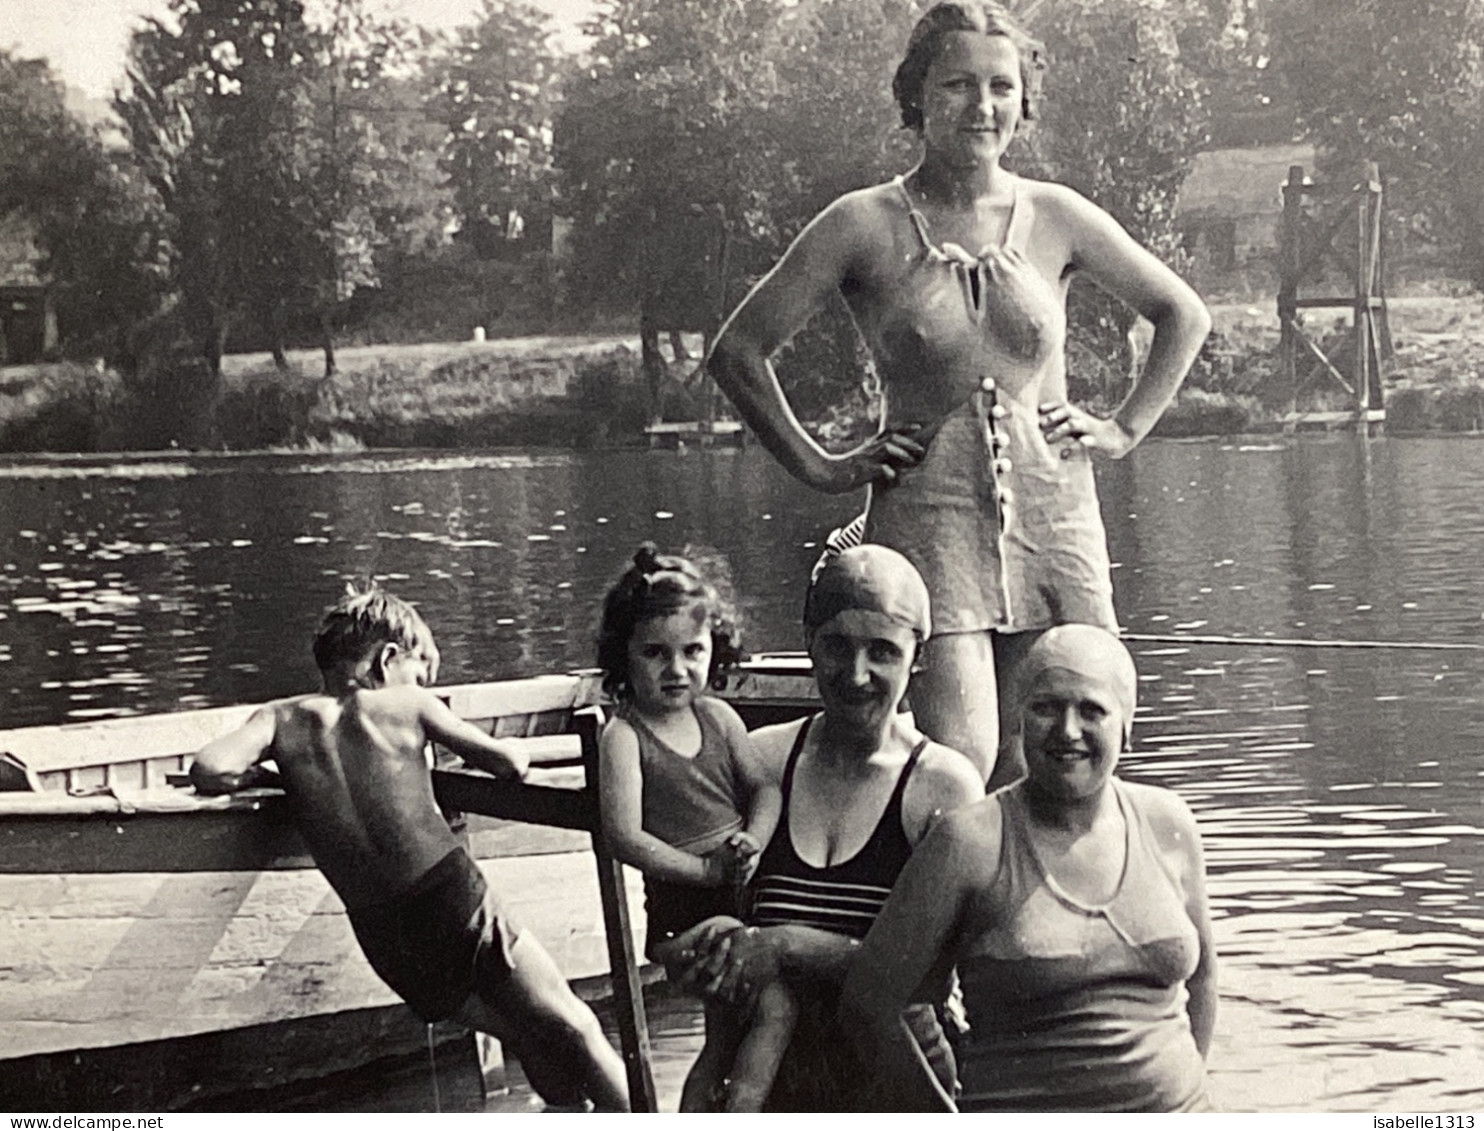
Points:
[(368, 617)]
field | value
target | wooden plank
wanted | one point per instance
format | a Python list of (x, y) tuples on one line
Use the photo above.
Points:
[(472, 792), (547, 749), (523, 696), (693, 427), (108, 959), (623, 957), (72, 746), (1345, 416), (1321, 359), (1347, 303)]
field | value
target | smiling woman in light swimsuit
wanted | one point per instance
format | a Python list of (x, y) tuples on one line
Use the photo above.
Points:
[(956, 275), (1073, 906)]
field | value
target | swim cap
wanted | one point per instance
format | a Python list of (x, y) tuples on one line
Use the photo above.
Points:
[(1091, 652), (873, 578)]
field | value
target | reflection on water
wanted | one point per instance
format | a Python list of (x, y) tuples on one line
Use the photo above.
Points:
[(1339, 791)]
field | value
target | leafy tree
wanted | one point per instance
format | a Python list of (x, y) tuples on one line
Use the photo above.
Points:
[(365, 170), (1123, 115), (176, 111), (494, 91), (94, 218), (1402, 85), (670, 131), (839, 122), (260, 132)]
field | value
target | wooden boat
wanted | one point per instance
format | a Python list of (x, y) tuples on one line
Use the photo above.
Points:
[(158, 948)]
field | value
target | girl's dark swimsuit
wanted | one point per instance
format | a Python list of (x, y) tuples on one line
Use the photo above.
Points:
[(693, 803)]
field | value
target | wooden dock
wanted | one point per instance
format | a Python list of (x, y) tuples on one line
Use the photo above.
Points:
[(702, 433)]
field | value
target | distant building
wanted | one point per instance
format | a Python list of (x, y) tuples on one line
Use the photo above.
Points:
[(28, 321), (1231, 211)]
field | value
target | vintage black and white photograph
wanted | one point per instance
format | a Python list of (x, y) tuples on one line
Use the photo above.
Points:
[(1012, 468)]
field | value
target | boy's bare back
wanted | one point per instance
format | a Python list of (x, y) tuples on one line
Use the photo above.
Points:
[(356, 773), (357, 776)]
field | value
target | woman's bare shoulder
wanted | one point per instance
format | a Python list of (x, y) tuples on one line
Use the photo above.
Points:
[(773, 743), (1051, 194), (969, 839), (1061, 208), (863, 217), (873, 199), (948, 775), (1166, 811)]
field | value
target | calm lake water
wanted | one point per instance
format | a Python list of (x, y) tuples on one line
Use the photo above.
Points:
[(1340, 791)]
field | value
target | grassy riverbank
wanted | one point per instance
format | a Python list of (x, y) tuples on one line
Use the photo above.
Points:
[(589, 391), (526, 391)]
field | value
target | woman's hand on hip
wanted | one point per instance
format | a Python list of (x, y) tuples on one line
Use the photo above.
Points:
[(1062, 420), (880, 460)]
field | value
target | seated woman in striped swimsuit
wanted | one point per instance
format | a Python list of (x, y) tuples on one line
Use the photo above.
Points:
[(861, 787)]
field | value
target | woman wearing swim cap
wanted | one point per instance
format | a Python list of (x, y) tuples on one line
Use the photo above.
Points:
[(1073, 906), (861, 787)]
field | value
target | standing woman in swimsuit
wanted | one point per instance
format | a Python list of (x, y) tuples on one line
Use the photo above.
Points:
[(956, 275)]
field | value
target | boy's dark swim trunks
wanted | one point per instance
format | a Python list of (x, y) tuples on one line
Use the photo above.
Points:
[(440, 940)]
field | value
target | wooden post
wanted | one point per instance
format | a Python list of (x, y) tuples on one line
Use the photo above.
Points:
[(1289, 266), (49, 335), (493, 1077), (1361, 316), (1301, 357), (1375, 300), (623, 961)]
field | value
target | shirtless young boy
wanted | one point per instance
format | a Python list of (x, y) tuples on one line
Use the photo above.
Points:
[(352, 761)]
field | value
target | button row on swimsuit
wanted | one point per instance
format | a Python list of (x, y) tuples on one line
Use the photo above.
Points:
[(997, 411), (1001, 439), (998, 438)]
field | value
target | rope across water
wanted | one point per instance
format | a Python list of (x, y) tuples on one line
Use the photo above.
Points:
[(1294, 642)]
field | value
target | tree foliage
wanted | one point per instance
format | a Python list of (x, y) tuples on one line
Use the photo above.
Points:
[(1123, 115), (93, 216), (668, 132), (259, 130), (493, 95), (1402, 85), (761, 112)]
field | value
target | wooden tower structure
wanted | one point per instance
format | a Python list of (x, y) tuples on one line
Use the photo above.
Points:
[(684, 290), (1326, 236)]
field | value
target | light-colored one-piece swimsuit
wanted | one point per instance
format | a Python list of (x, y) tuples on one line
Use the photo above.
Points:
[(1004, 527)]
